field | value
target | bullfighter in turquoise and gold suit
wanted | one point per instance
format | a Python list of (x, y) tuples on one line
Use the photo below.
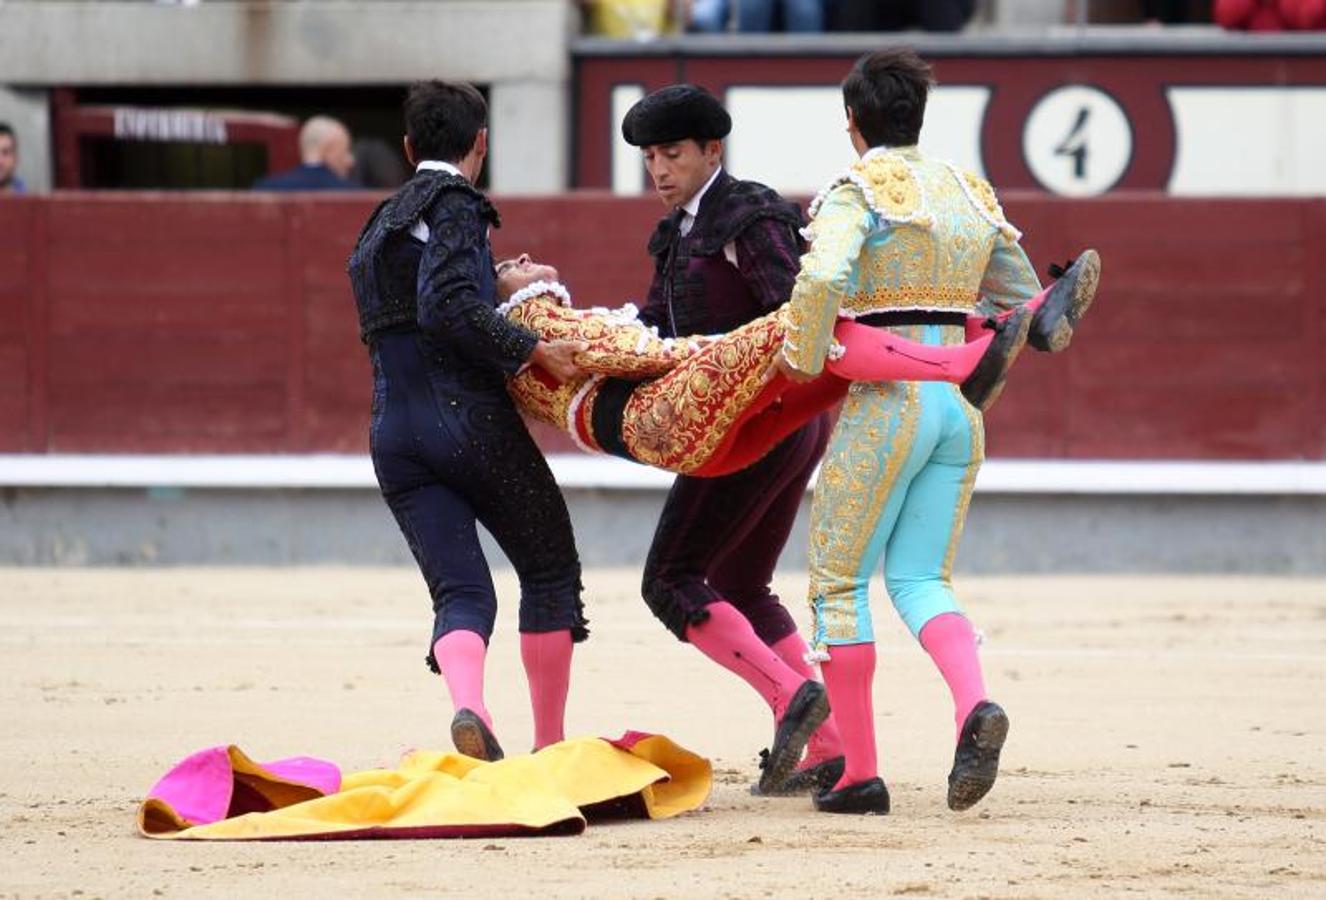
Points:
[(898, 239), (914, 245)]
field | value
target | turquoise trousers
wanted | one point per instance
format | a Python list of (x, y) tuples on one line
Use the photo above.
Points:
[(894, 486)]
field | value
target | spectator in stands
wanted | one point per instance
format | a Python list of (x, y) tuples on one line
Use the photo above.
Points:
[(757, 15), (900, 15), (324, 148), (1167, 12), (10, 183), (1271, 15), (378, 164), (638, 19)]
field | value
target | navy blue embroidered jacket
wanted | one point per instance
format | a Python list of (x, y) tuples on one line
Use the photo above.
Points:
[(446, 287)]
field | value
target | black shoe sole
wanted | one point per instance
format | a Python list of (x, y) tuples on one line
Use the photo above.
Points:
[(983, 387), (1073, 294), (472, 738), (971, 781), (784, 757), (814, 780)]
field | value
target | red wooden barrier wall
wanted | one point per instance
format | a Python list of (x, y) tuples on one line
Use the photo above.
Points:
[(223, 323)]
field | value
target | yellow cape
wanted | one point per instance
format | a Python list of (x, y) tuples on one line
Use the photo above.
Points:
[(438, 794)]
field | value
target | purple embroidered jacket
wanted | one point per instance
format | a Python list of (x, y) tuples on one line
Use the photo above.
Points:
[(696, 290)]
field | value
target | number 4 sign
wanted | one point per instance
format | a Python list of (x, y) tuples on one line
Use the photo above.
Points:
[(1077, 141)]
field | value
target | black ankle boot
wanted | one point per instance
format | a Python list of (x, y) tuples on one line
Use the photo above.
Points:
[(471, 736), (868, 797), (986, 382), (810, 780), (1067, 302), (976, 760), (808, 708)]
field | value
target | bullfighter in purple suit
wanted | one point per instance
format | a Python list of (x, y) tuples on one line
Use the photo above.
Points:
[(728, 252)]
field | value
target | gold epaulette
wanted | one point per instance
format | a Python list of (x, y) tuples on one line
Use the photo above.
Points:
[(889, 187), (982, 197)]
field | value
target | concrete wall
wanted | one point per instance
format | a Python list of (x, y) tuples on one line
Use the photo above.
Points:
[(1006, 533), (1029, 13), (531, 136), (517, 47), (332, 41)]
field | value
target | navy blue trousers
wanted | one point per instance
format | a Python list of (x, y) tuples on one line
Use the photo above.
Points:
[(450, 450)]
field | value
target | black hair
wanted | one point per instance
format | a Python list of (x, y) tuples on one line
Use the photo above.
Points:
[(443, 119), (886, 92), (6, 128)]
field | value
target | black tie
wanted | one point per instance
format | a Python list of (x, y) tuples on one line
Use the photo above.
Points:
[(674, 223)]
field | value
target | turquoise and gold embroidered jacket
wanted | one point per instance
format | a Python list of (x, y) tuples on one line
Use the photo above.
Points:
[(900, 231)]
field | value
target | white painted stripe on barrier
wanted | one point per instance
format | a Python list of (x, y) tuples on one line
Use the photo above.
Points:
[(580, 471), (1042, 476), (1275, 151)]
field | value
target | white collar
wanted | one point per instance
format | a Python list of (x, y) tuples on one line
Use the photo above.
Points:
[(437, 165), (692, 206), (536, 289), (875, 151)]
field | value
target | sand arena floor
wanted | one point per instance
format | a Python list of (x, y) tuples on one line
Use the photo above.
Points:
[(1167, 739)]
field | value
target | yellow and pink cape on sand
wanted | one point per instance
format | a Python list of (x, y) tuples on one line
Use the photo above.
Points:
[(221, 794)]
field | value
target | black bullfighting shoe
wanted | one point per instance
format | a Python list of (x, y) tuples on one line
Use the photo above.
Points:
[(986, 382), (471, 736), (976, 761), (865, 798), (809, 707), (1067, 302), (810, 780)]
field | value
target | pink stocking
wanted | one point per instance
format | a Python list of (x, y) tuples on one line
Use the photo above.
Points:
[(825, 743), (728, 639), (849, 676), (460, 656), (951, 643), (547, 659), (875, 354)]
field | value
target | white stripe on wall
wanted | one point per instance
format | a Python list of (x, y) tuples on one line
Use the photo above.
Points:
[(1249, 141), (580, 471), (794, 139), (628, 173)]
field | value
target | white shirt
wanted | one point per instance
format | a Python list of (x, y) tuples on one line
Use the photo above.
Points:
[(420, 229), (691, 208)]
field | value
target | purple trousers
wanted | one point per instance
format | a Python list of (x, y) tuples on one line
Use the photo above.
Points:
[(720, 538)]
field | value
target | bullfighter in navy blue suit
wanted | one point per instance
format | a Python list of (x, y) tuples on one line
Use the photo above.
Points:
[(447, 444)]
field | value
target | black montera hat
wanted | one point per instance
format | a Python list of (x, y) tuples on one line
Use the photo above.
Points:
[(676, 113)]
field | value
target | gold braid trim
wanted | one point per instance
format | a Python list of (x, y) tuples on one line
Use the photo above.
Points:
[(538, 395), (619, 345), (920, 297), (982, 196), (675, 421), (976, 423), (678, 421), (895, 192)]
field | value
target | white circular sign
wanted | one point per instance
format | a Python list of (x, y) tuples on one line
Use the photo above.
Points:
[(1077, 141)]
